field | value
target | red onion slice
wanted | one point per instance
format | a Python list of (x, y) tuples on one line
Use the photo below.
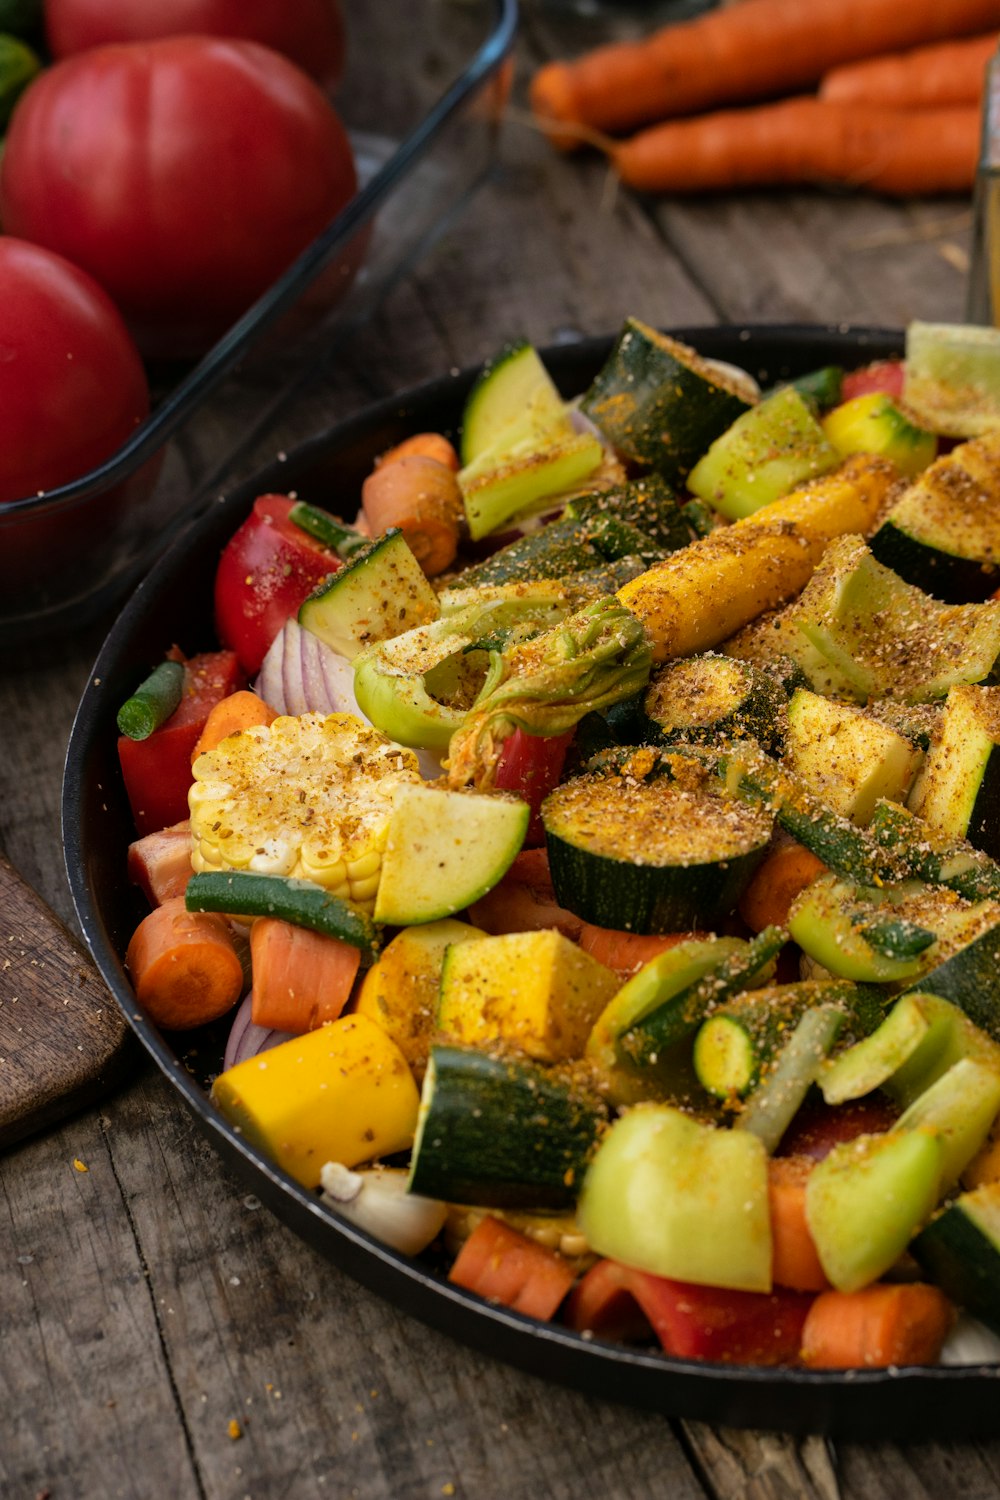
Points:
[(247, 1040)]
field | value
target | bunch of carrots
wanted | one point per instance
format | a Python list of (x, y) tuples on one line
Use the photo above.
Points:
[(880, 94)]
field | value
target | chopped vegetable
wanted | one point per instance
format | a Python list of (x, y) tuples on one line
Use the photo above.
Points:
[(898, 1324), (503, 1266), (153, 701), (184, 966)]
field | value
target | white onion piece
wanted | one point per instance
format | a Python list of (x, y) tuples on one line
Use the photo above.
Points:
[(301, 674), (582, 423), (971, 1343), (377, 1201), (742, 379), (247, 1040)]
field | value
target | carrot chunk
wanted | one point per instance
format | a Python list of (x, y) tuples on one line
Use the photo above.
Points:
[(301, 979), (796, 1263), (502, 1265), (239, 711), (785, 872), (184, 966), (899, 1323)]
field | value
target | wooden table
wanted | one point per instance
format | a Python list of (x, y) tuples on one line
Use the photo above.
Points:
[(148, 1303)]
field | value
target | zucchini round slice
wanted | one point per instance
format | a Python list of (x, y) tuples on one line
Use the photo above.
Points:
[(664, 855), (711, 698), (659, 403)]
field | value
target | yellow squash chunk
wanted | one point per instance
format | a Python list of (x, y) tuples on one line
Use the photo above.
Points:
[(400, 992), (536, 991), (341, 1093), (695, 598)]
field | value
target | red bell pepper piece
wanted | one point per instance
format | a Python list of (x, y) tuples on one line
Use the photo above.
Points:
[(157, 770), (691, 1322), (531, 765), (266, 570), (818, 1127)]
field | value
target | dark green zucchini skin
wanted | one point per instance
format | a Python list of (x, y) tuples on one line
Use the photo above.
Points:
[(649, 504), (658, 403), (564, 549), (500, 1132), (962, 1257), (953, 580), (970, 979)]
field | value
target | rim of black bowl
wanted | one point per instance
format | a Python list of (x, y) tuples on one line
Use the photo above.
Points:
[(940, 1401)]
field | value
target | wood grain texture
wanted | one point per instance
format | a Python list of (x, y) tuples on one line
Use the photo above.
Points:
[(63, 1040), (148, 1301)]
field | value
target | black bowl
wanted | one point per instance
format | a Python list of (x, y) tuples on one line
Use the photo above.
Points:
[(174, 604)]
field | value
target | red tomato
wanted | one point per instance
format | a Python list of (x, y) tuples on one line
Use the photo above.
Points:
[(310, 32), (884, 377), (266, 570), (72, 385), (185, 175), (531, 765), (818, 1127), (157, 770)]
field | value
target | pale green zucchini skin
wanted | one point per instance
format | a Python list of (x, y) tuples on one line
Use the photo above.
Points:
[(501, 1132), (958, 792)]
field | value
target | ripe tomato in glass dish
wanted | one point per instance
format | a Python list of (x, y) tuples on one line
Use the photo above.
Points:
[(72, 385), (310, 32), (184, 174), (266, 570)]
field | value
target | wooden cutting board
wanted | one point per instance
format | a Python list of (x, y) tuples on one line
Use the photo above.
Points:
[(63, 1040)]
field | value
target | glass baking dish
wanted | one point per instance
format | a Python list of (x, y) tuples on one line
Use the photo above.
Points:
[(67, 555)]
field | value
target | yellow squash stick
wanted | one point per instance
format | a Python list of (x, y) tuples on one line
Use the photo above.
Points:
[(699, 596)]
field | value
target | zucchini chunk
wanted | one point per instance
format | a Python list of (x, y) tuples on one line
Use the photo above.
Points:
[(502, 1133), (887, 638), (741, 1041), (444, 850), (943, 535), (874, 423), (960, 1251), (958, 792), (499, 485), (381, 592), (661, 855), (712, 698), (918, 852), (649, 504), (969, 976), (846, 758), (659, 403), (513, 397), (768, 451), (952, 377), (303, 903)]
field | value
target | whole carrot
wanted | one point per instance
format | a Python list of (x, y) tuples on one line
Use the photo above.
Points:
[(924, 77), (753, 50), (902, 153)]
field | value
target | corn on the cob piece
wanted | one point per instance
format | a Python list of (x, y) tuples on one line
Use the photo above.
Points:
[(308, 797), (697, 597)]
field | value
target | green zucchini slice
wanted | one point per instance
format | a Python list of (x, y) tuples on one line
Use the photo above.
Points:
[(943, 535), (847, 758), (304, 903), (952, 377), (873, 423), (712, 698), (887, 638), (502, 1132), (766, 453), (659, 403), (380, 593), (958, 792), (960, 1250), (662, 855), (513, 397)]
